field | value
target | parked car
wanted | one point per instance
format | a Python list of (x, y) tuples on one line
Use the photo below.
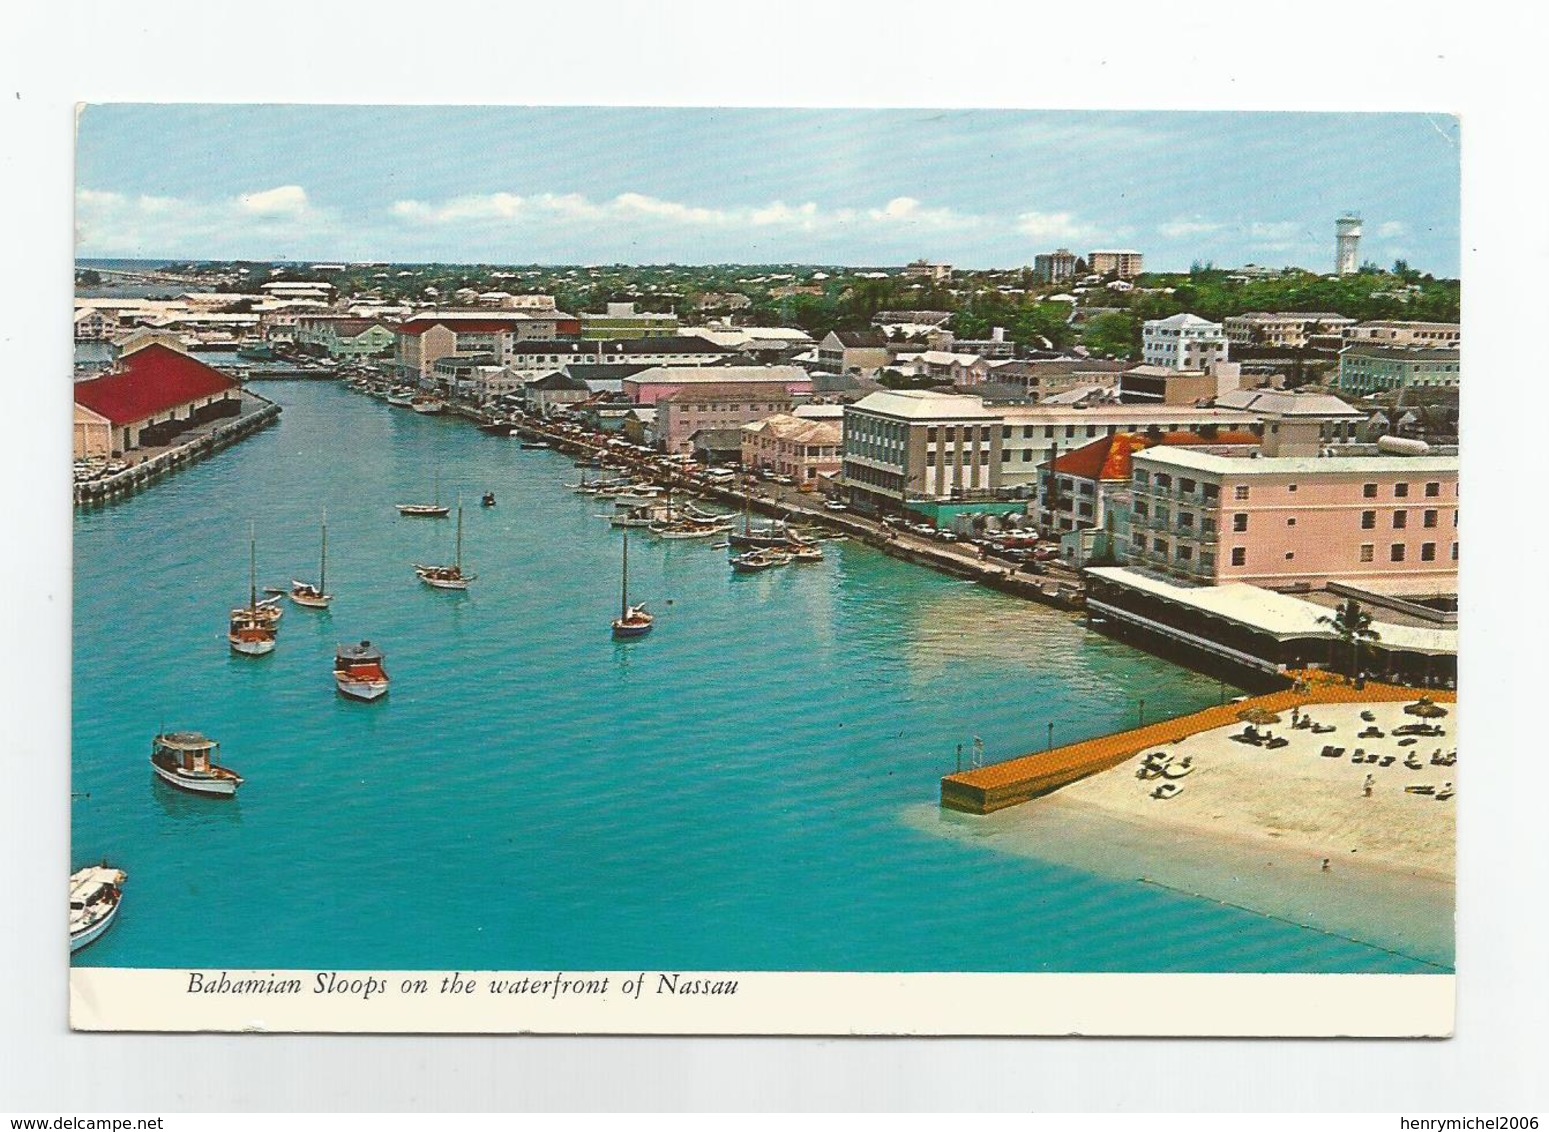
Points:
[(834, 505)]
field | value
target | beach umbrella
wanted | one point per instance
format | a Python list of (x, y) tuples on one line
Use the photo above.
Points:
[(1425, 709), (1258, 715)]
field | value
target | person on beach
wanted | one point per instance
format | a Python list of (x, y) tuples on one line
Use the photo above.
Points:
[(1366, 787)]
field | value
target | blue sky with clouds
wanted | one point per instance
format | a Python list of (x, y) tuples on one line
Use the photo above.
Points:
[(599, 185)]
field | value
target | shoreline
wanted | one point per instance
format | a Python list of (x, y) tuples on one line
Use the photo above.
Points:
[(1286, 833)]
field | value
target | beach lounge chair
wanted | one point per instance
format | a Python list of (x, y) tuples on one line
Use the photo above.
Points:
[(1276, 744), (1322, 728), (1386, 760), (1409, 742), (1420, 789), (1368, 717)]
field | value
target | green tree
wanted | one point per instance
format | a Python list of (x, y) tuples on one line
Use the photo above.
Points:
[(1352, 625), (1112, 335)]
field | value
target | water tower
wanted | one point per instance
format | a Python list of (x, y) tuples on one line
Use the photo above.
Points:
[(1347, 244)]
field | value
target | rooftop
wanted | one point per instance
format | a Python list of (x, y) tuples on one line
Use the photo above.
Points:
[(924, 404), (1236, 464), (151, 381)]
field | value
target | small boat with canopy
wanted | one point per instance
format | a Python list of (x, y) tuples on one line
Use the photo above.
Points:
[(186, 760)]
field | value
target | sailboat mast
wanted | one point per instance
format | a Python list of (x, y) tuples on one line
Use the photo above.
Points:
[(624, 585), (459, 536), (252, 567), (322, 570)]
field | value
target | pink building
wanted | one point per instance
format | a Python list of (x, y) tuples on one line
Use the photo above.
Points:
[(692, 408), (659, 382), (791, 446), (1388, 522)]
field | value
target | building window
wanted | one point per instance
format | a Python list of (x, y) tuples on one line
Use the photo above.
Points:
[(1070, 431), (1454, 552), (1240, 521), (1396, 552), (1159, 545), (1027, 455), (1368, 551), (1239, 556), (1005, 455), (1240, 492), (1430, 518), (1368, 520), (1428, 552), (1400, 520), (1369, 490), (1290, 487), (1291, 522), (1432, 490), (1401, 491), (1290, 554), (1187, 486), (1163, 480)]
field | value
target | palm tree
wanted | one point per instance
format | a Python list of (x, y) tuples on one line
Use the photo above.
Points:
[(1352, 624)]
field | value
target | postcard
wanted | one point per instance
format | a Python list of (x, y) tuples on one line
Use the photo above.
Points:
[(764, 571)]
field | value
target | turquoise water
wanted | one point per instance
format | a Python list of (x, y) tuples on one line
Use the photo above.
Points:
[(729, 792)]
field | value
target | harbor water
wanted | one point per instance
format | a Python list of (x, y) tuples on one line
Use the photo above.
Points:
[(739, 790)]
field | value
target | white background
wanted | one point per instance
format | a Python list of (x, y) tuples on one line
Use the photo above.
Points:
[(1481, 60)]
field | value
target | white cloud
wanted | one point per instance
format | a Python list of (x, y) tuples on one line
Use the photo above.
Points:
[(285, 201), (1053, 226), (1189, 229), (1392, 229), (1273, 232)]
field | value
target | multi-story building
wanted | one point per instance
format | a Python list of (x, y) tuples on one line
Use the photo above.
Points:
[(1374, 369), (344, 337), (923, 269), (1124, 264), (1044, 377), (622, 320), (425, 339), (540, 357), (153, 394), (1183, 342), (1211, 516), (649, 386), (715, 407), (1288, 330), (804, 449), (853, 351), (919, 444), (1055, 267), (1335, 421), (1391, 333)]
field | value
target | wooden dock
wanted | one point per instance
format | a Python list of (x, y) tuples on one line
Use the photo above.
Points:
[(1020, 780)]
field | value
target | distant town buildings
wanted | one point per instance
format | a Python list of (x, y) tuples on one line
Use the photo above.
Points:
[(1394, 333), (804, 449), (1183, 342), (935, 272), (622, 320), (1055, 267), (696, 407), (1123, 264), (862, 352), (1376, 369), (1290, 330)]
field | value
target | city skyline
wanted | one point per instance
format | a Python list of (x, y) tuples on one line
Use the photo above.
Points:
[(567, 185)]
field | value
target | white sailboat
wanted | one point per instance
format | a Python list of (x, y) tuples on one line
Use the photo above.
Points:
[(448, 577), (252, 631), (633, 620), (307, 595), (426, 510)]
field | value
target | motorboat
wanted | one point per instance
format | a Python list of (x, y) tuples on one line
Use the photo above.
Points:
[(427, 404), (186, 760), (633, 620), (358, 672), (95, 895), (754, 561)]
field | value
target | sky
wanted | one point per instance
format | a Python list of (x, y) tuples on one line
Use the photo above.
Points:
[(578, 185)]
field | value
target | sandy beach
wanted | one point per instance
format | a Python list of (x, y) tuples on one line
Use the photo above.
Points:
[(1253, 827)]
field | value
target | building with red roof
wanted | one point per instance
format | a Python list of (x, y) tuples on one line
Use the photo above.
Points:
[(1088, 488), (154, 394), (425, 339)]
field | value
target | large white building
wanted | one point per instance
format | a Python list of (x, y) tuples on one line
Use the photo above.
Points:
[(1183, 342)]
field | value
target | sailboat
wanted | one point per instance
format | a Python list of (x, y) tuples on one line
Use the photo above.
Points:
[(251, 632), (633, 620), (448, 577), (310, 596), (426, 510)]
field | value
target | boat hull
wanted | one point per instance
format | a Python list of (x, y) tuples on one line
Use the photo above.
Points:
[(423, 511), (251, 647), (366, 690), (309, 600), (213, 786), (625, 632), (96, 931)]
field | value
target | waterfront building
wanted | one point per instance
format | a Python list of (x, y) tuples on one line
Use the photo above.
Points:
[(297, 289), (553, 390), (1124, 264), (534, 358), (790, 445), (144, 336), (1447, 335), (862, 352), (1055, 267), (1288, 330), (94, 325), (621, 320), (153, 395), (342, 336), (1089, 486), (1375, 369), (727, 405), (654, 384), (1183, 342), (1210, 515), (916, 443), (426, 338), (93, 434)]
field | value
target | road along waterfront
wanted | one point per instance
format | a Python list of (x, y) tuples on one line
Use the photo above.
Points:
[(734, 792)]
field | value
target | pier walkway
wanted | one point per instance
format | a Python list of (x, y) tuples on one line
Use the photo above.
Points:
[(1010, 783)]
